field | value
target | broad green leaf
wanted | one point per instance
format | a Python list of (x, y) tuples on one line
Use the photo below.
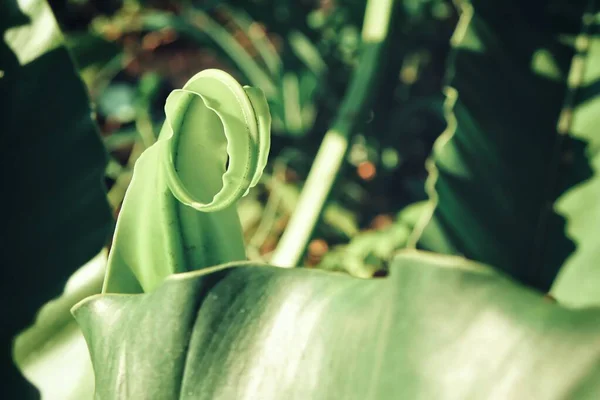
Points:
[(436, 327), (497, 170), (179, 210), (56, 216), (578, 283), (54, 348)]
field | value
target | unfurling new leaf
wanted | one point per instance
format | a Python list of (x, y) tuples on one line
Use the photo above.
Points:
[(160, 231)]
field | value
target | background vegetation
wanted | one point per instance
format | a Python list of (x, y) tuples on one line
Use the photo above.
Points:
[(476, 135)]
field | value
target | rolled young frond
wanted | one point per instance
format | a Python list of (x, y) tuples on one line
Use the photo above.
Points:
[(159, 231)]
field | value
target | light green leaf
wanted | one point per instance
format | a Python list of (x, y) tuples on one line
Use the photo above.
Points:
[(436, 327), (54, 348), (498, 168), (56, 216), (160, 230), (578, 283)]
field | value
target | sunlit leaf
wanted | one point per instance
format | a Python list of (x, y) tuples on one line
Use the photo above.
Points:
[(579, 281), (436, 327)]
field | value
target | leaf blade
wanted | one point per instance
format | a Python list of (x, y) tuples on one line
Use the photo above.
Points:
[(577, 283), (57, 216), (437, 326), (496, 171)]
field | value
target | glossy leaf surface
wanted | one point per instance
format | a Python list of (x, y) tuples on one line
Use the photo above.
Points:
[(436, 327)]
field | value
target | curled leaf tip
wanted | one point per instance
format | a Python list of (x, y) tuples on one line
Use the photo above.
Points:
[(211, 150), (243, 118)]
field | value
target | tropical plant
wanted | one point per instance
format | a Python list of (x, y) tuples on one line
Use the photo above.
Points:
[(486, 290)]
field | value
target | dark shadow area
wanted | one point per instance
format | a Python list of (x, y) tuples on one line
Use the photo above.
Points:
[(52, 164), (505, 167)]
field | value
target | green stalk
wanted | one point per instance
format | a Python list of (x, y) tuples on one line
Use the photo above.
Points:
[(331, 154)]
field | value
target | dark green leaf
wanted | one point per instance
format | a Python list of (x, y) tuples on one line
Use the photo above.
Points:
[(54, 348), (56, 214), (90, 49), (437, 327), (497, 170)]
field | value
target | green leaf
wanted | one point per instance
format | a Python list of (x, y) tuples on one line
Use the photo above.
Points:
[(56, 213), (578, 283), (497, 170), (90, 49), (436, 327), (160, 230), (54, 347)]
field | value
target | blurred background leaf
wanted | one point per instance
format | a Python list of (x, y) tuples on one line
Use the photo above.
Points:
[(52, 353), (578, 281), (57, 217), (499, 167)]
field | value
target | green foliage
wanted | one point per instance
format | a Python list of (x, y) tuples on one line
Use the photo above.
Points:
[(517, 164), (368, 253), (54, 347), (160, 231), (436, 327), (328, 160), (499, 167), (578, 280), (56, 214)]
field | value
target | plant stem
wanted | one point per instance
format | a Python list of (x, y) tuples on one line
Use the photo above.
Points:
[(335, 142)]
